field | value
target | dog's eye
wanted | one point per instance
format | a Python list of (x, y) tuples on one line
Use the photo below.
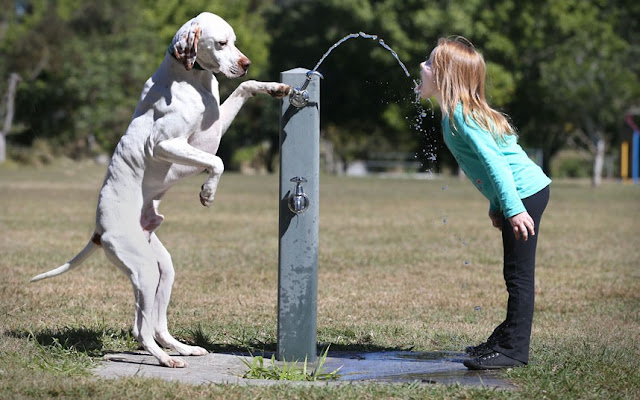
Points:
[(222, 43)]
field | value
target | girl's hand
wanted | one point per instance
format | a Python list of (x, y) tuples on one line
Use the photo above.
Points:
[(522, 225), (496, 219)]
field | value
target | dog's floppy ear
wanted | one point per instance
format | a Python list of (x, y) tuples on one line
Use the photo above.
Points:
[(185, 44)]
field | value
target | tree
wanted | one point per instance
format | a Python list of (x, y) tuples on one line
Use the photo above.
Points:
[(560, 69), (85, 62), (366, 99), (589, 79), (557, 68), (24, 62), (9, 113)]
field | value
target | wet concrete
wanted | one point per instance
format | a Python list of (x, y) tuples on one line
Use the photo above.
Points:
[(355, 367), (406, 366)]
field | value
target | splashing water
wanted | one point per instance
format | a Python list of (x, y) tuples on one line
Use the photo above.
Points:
[(423, 124), (416, 90), (430, 147)]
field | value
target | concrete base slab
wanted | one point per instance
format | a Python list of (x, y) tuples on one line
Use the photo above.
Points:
[(210, 368), (383, 367)]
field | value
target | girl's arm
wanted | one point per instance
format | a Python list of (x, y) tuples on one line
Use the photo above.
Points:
[(499, 171)]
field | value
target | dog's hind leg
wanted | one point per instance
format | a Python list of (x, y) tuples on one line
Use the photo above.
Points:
[(163, 294), (133, 254)]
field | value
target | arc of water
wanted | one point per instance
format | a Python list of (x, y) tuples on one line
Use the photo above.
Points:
[(298, 96), (365, 36)]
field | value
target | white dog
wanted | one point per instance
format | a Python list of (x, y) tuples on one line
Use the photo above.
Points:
[(174, 133)]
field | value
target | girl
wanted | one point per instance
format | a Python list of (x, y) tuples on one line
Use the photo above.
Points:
[(485, 145)]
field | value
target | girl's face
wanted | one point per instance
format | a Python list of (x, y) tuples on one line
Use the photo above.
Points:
[(428, 86)]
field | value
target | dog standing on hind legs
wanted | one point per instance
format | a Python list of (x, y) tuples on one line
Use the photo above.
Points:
[(174, 133)]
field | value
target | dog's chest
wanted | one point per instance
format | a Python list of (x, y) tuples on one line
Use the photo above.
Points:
[(207, 134), (207, 140), (201, 114)]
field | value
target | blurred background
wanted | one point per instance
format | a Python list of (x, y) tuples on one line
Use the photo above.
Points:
[(566, 72)]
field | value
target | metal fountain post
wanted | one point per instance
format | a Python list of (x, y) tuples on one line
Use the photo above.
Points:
[(298, 217), (299, 209)]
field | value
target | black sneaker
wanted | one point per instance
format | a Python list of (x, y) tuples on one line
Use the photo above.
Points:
[(479, 350), (493, 360)]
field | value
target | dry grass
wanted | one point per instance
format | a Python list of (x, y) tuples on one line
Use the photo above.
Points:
[(402, 264)]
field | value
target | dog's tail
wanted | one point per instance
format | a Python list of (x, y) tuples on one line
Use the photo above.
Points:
[(88, 250)]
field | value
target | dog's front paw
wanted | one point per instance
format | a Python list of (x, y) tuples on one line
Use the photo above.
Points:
[(206, 195), (278, 90)]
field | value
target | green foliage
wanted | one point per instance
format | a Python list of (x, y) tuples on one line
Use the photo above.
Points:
[(255, 157), (86, 62), (589, 77), (570, 164), (550, 65), (578, 71), (289, 371)]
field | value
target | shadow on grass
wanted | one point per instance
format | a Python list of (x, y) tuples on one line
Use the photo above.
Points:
[(252, 346), (99, 341), (93, 342)]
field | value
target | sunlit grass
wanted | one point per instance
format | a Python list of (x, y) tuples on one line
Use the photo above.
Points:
[(403, 264), (290, 370)]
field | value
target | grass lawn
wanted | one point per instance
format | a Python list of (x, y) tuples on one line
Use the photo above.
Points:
[(403, 264)]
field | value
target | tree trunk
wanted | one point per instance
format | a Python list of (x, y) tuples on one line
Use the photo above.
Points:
[(8, 118), (3, 148), (598, 161)]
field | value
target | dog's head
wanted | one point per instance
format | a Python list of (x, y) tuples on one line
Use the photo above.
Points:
[(210, 40)]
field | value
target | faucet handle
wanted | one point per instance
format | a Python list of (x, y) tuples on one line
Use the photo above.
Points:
[(299, 97)]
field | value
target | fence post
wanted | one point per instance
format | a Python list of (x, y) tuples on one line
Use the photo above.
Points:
[(298, 232), (635, 157)]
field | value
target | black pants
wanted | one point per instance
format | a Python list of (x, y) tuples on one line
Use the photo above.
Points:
[(512, 337)]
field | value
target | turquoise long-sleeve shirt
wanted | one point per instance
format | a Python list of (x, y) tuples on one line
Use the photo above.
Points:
[(500, 169)]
